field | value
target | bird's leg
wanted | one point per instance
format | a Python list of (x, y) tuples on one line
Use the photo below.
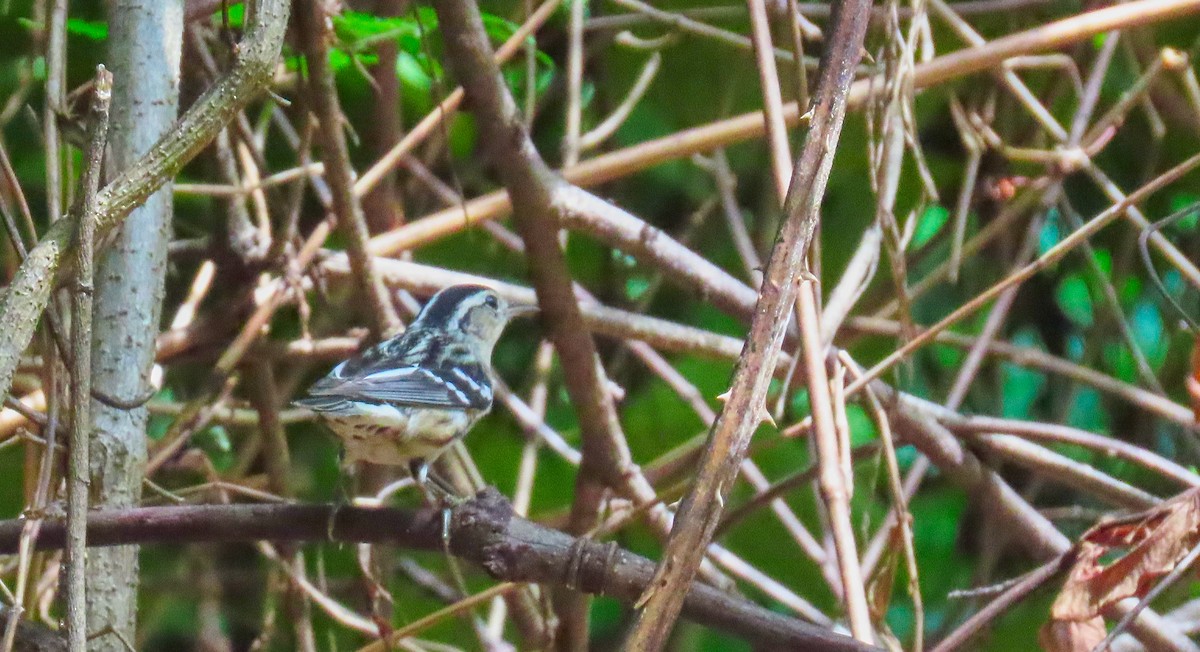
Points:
[(438, 493), (345, 478), (435, 489), (342, 497)]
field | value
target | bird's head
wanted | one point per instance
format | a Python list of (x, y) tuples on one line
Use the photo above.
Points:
[(477, 310)]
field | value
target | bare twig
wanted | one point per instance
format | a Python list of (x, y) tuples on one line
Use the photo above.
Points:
[(1013, 595), (777, 139), (56, 81), (79, 471), (575, 55), (1048, 258)]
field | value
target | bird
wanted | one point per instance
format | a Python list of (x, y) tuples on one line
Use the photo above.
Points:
[(407, 399)]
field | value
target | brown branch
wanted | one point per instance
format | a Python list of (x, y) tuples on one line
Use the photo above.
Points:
[(744, 409), (1033, 358), (313, 21), (483, 530), (79, 469), (604, 320), (537, 194)]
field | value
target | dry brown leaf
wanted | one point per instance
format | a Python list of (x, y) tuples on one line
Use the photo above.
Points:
[(1157, 540), (1072, 635)]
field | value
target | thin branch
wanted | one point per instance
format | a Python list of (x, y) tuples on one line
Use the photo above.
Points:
[(56, 79), (79, 470), (448, 106), (571, 143), (994, 609), (1033, 358), (777, 138), (916, 422)]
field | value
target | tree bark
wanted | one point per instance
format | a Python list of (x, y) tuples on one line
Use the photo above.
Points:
[(145, 43)]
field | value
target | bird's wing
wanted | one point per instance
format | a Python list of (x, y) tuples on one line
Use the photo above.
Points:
[(411, 385)]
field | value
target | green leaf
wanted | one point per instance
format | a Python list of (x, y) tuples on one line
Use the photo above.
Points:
[(1104, 260), (1076, 347), (160, 423), (1188, 222), (1131, 289), (929, 225), (799, 404), (359, 31), (97, 30), (413, 75), (1021, 387), (635, 287), (216, 443), (237, 15), (1051, 232), (339, 60), (862, 426), (1147, 326), (1075, 300), (1087, 411)]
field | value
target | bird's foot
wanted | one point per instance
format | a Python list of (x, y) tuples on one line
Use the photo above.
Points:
[(435, 489)]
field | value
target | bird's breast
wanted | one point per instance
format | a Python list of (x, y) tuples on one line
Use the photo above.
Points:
[(390, 434)]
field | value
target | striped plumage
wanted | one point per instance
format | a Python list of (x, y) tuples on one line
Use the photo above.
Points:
[(404, 400)]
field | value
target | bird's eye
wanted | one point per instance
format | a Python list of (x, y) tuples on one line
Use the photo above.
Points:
[(492, 302)]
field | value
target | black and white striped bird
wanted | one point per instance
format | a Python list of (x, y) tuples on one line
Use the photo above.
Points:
[(407, 399)]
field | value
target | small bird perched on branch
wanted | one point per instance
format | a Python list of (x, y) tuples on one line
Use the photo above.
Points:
[(407, 399)]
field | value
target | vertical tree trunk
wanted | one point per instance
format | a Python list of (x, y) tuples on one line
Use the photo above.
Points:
[(144, 47)]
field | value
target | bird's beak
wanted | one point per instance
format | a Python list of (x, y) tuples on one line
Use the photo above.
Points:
[(521, 309)]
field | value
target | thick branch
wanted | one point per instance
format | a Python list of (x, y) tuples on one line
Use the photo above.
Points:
[(483, 530), (535, 189), (537, 194)]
